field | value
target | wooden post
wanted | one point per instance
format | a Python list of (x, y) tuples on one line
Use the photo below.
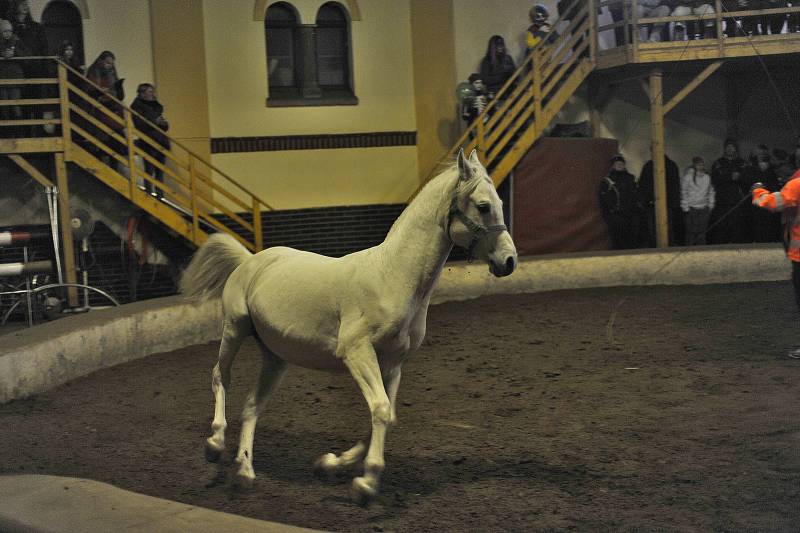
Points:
[(657, 147), (258, 238), (193, 200), (65, 221), (480, 139), (66, 123), (536, 83), (131, 156)]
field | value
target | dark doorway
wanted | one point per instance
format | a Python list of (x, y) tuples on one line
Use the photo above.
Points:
[(62, 22)]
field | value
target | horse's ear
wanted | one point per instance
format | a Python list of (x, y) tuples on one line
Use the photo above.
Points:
[(464, 169), (473, 157)]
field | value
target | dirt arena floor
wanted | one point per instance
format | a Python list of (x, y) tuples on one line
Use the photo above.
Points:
[(517, 414)]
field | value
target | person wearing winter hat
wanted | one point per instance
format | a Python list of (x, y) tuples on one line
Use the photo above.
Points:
[(619, 204), (7, 37), (728, 178), (9, 70)]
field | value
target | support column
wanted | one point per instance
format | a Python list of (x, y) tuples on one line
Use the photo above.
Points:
[(657, 145), (65, 221)]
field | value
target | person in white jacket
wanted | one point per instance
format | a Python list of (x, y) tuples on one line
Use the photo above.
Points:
[(697, 201)]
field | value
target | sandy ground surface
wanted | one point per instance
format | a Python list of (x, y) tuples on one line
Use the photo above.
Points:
[(518, 414)]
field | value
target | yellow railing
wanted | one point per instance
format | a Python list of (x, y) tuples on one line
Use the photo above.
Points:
[(105, 140), (530, 98), (720, 20)]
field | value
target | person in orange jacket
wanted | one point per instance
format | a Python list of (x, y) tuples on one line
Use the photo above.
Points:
[(785, 201)]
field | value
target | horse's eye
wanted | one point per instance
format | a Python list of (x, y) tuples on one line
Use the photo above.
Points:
[(484, 208)]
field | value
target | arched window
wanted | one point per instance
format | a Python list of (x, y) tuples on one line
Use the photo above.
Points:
[(308, 64), (62, 21), (333, 51), (281, 29)]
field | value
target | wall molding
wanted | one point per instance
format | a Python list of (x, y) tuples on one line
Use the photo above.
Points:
[(227, 145), (260, 9)]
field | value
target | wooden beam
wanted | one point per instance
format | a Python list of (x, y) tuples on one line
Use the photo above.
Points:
[(31, 170), (657, 146), (65, 221), (27, 146), (63, 97), (692, 85)]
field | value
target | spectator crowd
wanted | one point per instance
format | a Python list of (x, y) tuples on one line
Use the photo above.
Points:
[(704, 206), (21, 37)]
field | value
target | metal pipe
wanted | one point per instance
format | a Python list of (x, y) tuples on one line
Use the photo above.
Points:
[(18, 237), (55, 285), (31, 267)]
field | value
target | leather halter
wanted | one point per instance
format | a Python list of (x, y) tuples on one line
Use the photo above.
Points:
[(478, 231)]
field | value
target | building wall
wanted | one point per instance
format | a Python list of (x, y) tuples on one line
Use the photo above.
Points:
[(382, 70), (121, 26), (434, 79), (475, 21), (180, 70)]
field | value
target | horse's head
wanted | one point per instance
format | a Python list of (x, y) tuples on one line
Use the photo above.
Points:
[(475, 220)]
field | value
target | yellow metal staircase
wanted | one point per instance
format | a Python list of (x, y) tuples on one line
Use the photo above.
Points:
[(531, 98), (103, 140)]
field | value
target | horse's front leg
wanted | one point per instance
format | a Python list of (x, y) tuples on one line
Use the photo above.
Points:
[(330, 462), (362, 362)]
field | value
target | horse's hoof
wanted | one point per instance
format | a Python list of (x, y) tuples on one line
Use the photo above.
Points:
[(362, 491), (326, 464), (243, 482), (213, 453)]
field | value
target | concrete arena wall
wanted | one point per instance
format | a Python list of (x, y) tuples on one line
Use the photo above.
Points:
[(42, 357), (35, 360)]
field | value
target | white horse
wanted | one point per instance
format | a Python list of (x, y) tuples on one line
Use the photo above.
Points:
[(363, 313)]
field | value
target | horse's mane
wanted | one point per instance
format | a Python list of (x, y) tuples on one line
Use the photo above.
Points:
[(439, 193)]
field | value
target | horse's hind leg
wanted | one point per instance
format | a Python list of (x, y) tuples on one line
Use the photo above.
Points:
[(233, 333), (330, 462), (272, 369)]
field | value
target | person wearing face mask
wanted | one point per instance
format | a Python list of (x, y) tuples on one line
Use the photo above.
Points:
[(766, 225)]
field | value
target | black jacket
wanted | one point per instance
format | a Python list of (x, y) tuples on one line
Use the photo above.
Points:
[(151, 110), (618, 195), (647, 184), (729, 191), (495, 76)]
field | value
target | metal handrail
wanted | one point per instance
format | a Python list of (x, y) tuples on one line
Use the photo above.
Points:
[(529, 73), (189, 151), (193, 165)]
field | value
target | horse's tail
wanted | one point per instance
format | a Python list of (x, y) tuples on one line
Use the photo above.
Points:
[(211, 265)]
